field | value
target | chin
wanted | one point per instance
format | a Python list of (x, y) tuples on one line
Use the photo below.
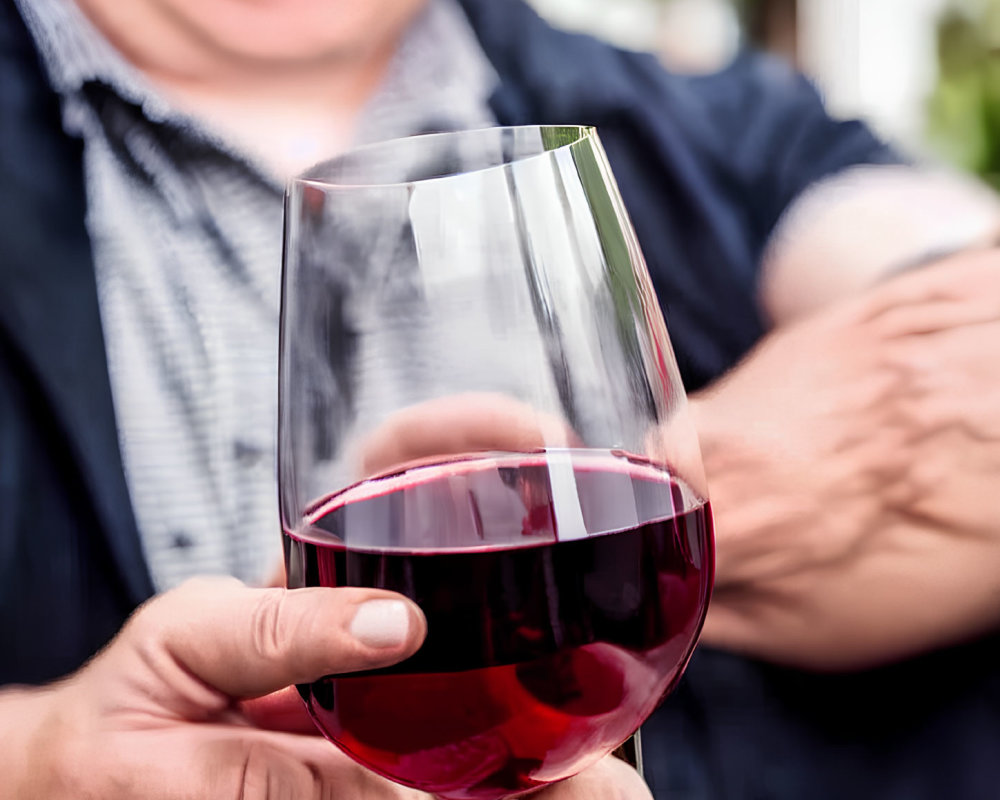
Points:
[(294, 30)]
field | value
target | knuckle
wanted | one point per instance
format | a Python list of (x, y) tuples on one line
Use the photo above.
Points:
[(257, 777), (915, 372), (147, 622), (269, 631)]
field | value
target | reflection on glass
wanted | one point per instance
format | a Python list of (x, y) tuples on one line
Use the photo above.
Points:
[(480, 409)]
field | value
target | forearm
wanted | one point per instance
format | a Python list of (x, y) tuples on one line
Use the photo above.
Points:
[(786, 533), (749, 500), (849, 232), (852, 462)]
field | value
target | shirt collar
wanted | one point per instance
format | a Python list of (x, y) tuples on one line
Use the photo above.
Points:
[(428, 87), (74, 53)]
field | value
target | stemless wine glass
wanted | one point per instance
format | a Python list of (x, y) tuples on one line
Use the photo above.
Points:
[(480, 409)]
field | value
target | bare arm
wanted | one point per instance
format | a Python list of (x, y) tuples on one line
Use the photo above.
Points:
[(853, 457), (848, 232)]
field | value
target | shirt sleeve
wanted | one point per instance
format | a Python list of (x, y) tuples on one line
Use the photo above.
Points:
[(766, 130)]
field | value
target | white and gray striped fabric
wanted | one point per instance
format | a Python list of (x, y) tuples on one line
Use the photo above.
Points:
[(186, 233)]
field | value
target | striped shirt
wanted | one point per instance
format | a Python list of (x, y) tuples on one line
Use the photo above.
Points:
[(186, 235)]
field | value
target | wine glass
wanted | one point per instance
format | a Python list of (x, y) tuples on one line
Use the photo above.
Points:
[(480, 409)]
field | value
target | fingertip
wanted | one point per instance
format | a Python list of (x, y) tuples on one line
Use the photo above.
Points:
[(391, 624), (418, 630)]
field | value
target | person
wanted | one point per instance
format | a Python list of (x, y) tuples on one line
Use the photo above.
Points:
[(831, 307), (157, 714)]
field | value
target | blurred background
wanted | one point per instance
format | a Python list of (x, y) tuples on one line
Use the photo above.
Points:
[(924, 73)]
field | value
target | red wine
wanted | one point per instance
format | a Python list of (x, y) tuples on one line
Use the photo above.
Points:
[(564, 593)]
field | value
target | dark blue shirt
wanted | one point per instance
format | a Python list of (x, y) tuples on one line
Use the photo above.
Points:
[(706, 166)]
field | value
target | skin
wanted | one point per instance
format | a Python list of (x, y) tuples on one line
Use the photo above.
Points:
[(284, 80), (189, 701), (853, 460), (875, 398), (851, 454), (871, 395), (844, 235)]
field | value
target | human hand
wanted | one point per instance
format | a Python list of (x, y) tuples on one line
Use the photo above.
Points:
[(853, 460), (457, 424), (158, 713), (449, 426), (168, 709), (609, 779), (483, 422)]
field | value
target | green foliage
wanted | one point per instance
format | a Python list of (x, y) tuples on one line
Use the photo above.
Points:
[(964, 111)]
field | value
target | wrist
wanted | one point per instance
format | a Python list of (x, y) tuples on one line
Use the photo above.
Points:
[(942, 252), (749, 471), (28, 756), (726, 469)]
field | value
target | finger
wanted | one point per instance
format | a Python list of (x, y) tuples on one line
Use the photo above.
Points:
[(465, 423), (335, 775), (280, 711), (250, 642), (973, 276), (609, 779), (674, 443), (259, 764), (963, 291)]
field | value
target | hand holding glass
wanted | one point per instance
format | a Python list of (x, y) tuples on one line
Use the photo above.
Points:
[(480, 410)]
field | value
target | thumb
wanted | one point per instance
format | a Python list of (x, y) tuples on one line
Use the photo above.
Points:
[(609, 779), (245, 642)]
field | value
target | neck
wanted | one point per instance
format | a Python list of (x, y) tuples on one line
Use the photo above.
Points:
[(287, 111)]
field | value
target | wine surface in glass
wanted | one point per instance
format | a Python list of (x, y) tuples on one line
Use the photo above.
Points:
[(559, 613)]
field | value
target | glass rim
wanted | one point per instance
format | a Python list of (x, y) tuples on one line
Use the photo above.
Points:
[(311, 178)]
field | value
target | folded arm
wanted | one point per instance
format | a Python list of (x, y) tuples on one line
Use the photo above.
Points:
[(853, 456)]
